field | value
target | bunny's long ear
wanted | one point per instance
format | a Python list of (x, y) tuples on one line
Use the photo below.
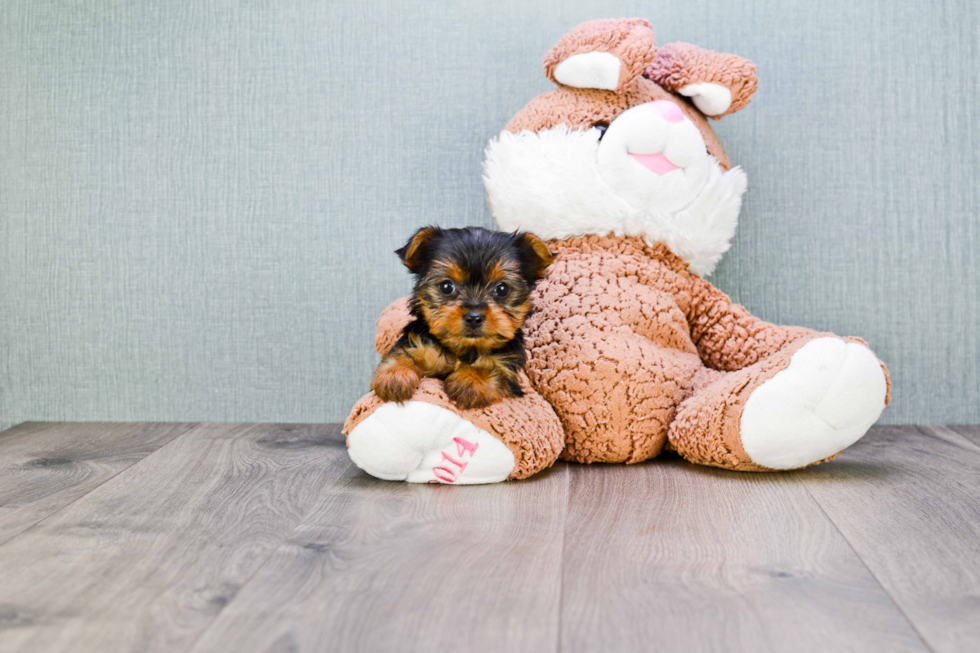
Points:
[(603, 54), (718, 84)]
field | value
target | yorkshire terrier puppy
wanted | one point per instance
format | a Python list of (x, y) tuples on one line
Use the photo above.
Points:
[(472, 294)]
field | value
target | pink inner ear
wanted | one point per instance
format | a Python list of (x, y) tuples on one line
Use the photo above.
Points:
[(655, 163)]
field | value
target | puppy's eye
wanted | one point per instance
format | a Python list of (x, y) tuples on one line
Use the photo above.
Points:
[(447, 287), (501, 290), (602, 126)]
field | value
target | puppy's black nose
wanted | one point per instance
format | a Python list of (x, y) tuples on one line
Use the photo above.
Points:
[(473, 319)]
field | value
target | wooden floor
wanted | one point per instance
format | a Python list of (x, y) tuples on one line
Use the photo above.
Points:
[(218, 537)]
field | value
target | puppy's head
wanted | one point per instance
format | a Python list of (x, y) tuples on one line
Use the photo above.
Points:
[(473, 286)]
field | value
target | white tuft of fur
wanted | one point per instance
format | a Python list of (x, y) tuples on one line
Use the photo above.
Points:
[(589, 70), (550, 183), (712, 99), (825, 401)]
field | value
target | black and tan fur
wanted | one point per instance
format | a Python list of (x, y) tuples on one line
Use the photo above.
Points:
[(472, 295)]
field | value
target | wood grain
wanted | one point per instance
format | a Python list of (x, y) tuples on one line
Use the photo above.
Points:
[(149, 537), (674, 557), (908, 501), (148, 559), (381, 566), (971, 433), (45, 466)]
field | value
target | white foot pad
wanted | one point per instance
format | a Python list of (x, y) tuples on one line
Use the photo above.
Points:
[(419, 442), (827, 398)]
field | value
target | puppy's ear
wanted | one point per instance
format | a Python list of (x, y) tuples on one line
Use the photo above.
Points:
[(418, 250), (536, 254)]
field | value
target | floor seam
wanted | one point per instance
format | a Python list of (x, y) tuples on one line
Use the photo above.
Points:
[(561, 567), (877, 580), (948, 435)]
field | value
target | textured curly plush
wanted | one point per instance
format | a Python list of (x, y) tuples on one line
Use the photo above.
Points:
[(631, 41), (527, 425), (586, 107), (635, 353), (679, 64), (630, 352)]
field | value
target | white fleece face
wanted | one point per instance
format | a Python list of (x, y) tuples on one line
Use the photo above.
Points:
[(649, 176)]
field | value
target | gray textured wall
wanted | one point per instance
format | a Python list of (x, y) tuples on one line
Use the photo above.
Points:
[(199, 200)]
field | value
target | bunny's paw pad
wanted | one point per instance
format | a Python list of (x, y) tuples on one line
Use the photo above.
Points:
[(827, 398), (419, 442)]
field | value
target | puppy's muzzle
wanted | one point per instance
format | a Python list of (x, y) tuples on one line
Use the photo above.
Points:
[(474, 319)]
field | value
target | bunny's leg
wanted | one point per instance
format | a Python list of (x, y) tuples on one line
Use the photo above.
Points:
[(801, 405), (429, 440)]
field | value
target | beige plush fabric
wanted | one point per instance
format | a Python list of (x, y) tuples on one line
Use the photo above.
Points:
[(633, 353), (664, 72), (624, 338), (679, 64), (631, 40), (705, 429), (527, 425), (389, 326), (584, 107), (629, 353)]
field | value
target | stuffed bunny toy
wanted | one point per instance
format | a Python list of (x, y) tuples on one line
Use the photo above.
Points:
[(630, 351)]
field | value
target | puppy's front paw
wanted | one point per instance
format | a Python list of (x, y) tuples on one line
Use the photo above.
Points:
[(466, 398), (472, 388), (395, 382)]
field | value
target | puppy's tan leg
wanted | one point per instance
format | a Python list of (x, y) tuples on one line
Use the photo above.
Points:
[(412, 358), (471, 387), (491, 378), (396, 378)]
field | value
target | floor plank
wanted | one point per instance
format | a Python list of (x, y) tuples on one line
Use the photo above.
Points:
[(241, 538), (971, 433), (381, 566), (45, 466), (908, 500), (147, 560), (675, 557)]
